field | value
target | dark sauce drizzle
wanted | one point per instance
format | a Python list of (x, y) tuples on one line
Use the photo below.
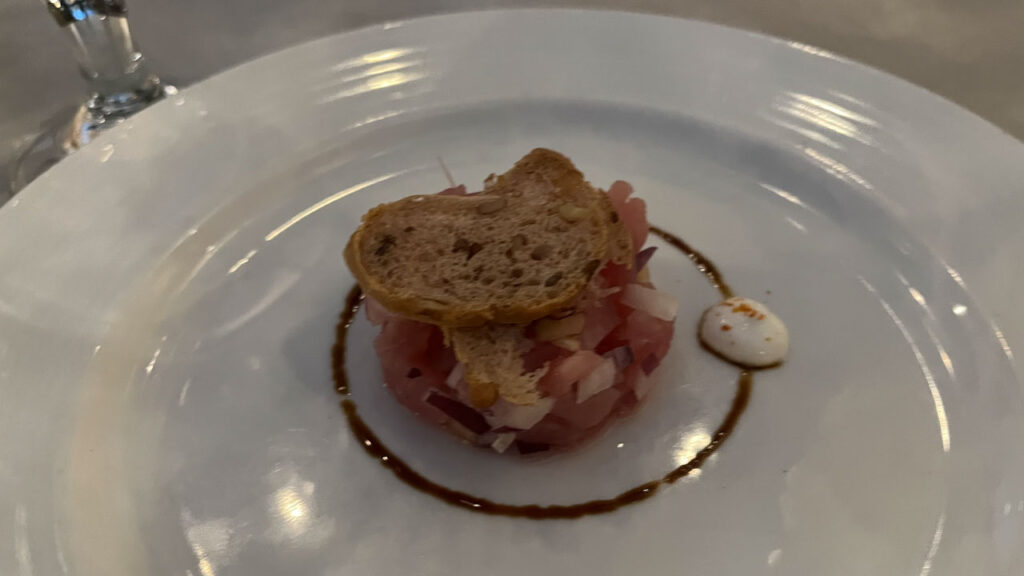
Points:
[(376, 449), (707, 267)]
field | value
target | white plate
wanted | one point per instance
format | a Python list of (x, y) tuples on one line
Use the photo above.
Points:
[(168, 298)]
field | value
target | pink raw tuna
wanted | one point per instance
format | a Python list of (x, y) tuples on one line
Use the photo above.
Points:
[(648, 335), (412, 392), (589, 413), (630, 377), (376, 313), (633, 212), (567, 371), (628, 402), (619, 192), (403, 339), (552, 431), (414, 361), (541, 354), (616, 275), (600, 318)]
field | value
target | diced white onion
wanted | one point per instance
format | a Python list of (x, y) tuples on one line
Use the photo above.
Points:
[(570, 344), (503, 441), (520, 417), (599, 380), (643, 385), (658, 304), (600, 293), (455, 375)]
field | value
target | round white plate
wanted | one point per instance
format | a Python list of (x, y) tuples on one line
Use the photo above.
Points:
[(168, 298)]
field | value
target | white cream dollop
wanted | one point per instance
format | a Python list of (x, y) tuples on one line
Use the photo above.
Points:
[(745, 332)]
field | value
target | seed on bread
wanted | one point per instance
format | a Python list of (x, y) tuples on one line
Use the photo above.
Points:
[(553, 279), (572, 213)]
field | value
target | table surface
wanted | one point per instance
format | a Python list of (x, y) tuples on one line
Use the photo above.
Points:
[(970, 51)]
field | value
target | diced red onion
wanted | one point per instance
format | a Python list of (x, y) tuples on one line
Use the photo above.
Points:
[(642, 258), (658, 304), (622, 356), (468, 417), (650, 364), (602, 378)]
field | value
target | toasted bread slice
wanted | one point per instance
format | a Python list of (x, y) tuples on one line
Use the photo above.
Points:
[(525, 247)]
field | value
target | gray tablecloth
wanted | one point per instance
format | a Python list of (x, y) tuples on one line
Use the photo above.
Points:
[(970, 51)]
